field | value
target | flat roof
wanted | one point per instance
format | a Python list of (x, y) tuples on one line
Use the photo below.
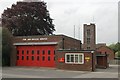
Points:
[(36, 43), (69, 50)]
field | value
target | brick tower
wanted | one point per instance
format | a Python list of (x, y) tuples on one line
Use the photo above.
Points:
[(89, 37)]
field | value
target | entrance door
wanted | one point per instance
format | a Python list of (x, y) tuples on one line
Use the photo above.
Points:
[(102, 62)]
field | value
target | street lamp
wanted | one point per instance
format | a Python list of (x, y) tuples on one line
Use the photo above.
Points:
[(92, 61)]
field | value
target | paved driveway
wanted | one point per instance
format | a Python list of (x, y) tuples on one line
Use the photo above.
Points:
[(32, 72)]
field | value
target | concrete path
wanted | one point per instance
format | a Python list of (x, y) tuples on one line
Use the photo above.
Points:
[(32, 72)]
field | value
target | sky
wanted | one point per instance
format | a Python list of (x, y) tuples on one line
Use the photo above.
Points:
[(70, 13)]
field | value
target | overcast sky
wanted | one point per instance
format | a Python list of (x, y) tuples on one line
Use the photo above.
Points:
[(67, 13)]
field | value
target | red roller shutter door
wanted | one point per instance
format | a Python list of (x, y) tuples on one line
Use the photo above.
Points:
[(42, 56)]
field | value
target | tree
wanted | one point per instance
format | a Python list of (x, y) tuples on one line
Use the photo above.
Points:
[(7, 46), (113, 47), (116, 49), (28, 18)]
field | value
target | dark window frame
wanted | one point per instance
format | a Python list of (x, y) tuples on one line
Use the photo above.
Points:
[(27, 51), (22, 52), (88, 32), (88, 40), (88, 48), (43, 52), (22, 57), (38, 58), (49, 52), (32, 51), (32, 58), (43, 58), (27, 58), (49, 58), (38, 52)]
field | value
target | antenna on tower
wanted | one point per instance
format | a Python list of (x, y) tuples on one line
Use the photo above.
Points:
[(93, 20), (79, 32), (74, 31)]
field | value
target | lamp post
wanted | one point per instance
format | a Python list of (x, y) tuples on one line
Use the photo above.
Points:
[(92, 60)]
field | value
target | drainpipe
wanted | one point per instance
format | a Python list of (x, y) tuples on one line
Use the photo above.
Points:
[(80, 45), (63, 43)]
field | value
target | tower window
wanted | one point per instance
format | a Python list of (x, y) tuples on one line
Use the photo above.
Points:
[(88, 32), (88, 48), (88, 40)]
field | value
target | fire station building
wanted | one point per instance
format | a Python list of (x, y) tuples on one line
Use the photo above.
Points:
[(57, 51), (60, 51)]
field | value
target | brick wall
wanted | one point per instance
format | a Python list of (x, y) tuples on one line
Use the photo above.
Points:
[(106, 50), (87, 66)]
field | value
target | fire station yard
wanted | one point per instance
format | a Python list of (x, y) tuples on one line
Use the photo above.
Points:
[(35, 72)]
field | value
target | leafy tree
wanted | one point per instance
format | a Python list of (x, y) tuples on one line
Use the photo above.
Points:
[(28, 18), (6, 46), (116, 49)]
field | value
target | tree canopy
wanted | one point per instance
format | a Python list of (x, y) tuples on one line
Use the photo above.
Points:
[(116, 49), (28, 18)]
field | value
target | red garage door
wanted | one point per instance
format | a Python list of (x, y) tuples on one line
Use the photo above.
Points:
[(43, 56)]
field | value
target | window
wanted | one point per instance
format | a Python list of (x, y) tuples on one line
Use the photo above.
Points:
[(88, 48), (43, 52), (22, 51), (17, 51), (48, 58), (74, 58), (32, 58), (27, 52), (38, 52), (88, 40), (22, 57), (38, 58), (17, 57), (43, 58), (48, 52), (32, 51), (27, 58), (88, 32)]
